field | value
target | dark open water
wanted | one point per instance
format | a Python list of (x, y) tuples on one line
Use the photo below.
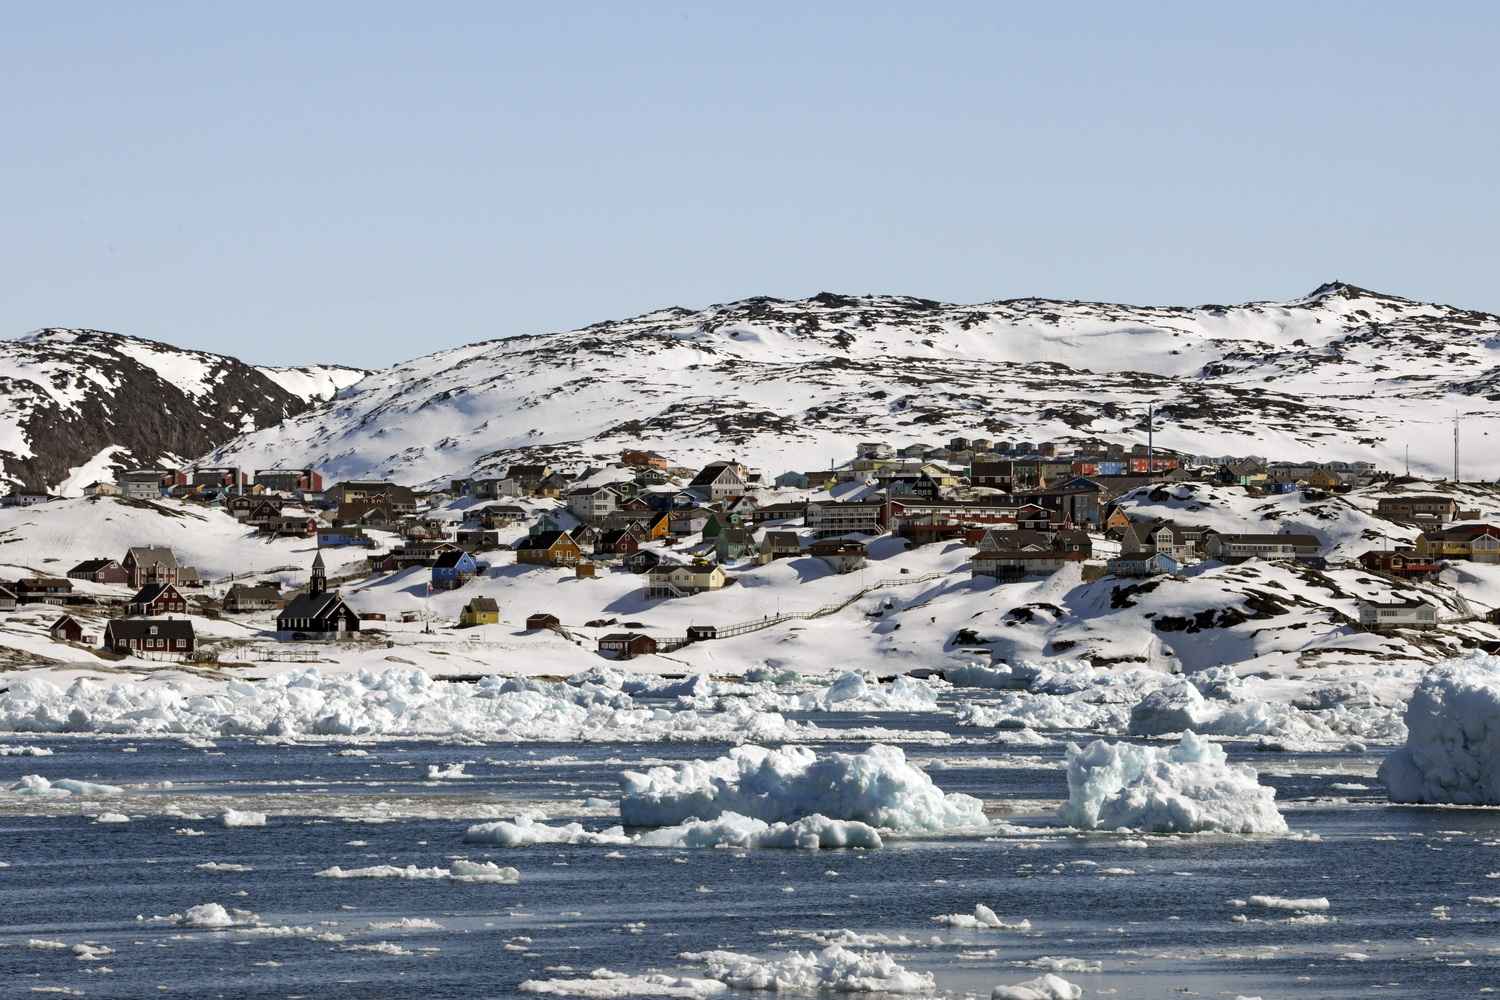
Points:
[(1399, 881)]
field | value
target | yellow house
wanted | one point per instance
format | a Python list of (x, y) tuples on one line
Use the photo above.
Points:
[(1320, 478), (480, 611)]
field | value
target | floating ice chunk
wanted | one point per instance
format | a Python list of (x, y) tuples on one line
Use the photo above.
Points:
[(733, 830), (36, 785), (524, 831), (208, 915), (877, 787), (1452, 751), (235, 817), (834, 968), (983, 917), (1047, 987), (44, 944), (727, 830), (1187, 788), (602, 983), (222, 866), (111, 817), (379, 948), (405, 924), (1283, 903), (435, 773), (25, 751), (1065, 964), (90, 951), (482, 871), (459, 871)]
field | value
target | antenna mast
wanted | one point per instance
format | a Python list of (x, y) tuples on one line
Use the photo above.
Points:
[(1455, 447)]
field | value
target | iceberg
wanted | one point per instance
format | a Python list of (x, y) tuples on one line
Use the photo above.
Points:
[(1452, 751), (877, 787), (1187, 788)]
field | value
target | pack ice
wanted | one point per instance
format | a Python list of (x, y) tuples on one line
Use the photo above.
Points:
[(397, 701), (1452, 751), (1187, 788), (877, 787)]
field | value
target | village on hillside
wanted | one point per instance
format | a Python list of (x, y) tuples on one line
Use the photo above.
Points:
[(360, 563)]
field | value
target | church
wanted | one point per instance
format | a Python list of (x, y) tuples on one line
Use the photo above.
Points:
[(317, 612)]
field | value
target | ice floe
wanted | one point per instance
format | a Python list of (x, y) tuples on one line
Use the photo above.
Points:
[(602, 984), (38, 786), (238, 817), (459, 871), (726, 830), (981, 919), (1187, 788), (834, 968), (877, 787), (1046, 987)]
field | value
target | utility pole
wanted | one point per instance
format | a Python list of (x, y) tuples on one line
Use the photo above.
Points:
[(1455, 447), (1150, 439)]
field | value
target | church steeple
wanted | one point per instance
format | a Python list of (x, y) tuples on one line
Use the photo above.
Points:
[(317, 583)]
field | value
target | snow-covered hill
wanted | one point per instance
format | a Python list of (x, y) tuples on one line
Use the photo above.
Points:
[(77, 404), (1341, 374)]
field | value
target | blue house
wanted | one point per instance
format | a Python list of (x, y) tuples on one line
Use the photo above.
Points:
[(452, 570), (793, 481)]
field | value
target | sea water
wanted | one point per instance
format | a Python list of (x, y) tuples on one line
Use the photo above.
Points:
[(96, 909)]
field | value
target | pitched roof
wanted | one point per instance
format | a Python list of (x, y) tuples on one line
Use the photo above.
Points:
[(141, 628), (482, 604)]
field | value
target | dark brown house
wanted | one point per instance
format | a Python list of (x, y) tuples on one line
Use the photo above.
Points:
[(150, 635), (99, 571), (625, 645)]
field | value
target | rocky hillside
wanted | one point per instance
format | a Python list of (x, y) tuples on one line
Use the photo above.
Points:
[(77, 404), (1343, 373)]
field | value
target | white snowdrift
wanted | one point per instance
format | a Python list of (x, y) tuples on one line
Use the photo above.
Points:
[(1452, 751), (727, 830), (834, 968), (1187, 788), (393, 702), (877, 787), (459, 871)]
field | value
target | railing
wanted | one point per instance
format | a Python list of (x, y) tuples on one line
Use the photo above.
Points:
[(741, 628)]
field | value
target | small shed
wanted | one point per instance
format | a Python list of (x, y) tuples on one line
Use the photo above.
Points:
[(584, 571), (66, 629), (540, 621), (625, 645), (697, 633)]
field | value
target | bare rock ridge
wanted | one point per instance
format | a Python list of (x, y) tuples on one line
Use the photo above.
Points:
[(96, 401), (1342, 373)]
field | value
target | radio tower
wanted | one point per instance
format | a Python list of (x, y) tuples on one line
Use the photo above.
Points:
[(1455, 447)]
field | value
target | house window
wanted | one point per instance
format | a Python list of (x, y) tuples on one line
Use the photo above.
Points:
[(153, 629)]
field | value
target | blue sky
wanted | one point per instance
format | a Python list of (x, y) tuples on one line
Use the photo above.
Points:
[(367, 182)]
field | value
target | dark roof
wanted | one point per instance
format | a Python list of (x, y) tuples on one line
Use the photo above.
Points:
[(151, 592), (245, 593), (1287, 539), (312, 606), (140, 628), (478, 604), (449, 560), (542, 540), (93, 565), (626, 637)]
